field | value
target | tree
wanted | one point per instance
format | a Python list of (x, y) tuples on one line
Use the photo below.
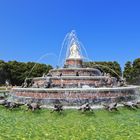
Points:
[(128, 70), (17, 72), (36, 69), (136, 71), (4, 72), (132, 72), (106, 67)]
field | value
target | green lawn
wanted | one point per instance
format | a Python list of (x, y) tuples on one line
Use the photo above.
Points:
[(2, 88), (71, 125)]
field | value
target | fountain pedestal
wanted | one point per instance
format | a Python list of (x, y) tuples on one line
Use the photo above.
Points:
[(73, 63)]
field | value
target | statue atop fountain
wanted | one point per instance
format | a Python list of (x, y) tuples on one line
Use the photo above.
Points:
[(74, 51), (74, 60)]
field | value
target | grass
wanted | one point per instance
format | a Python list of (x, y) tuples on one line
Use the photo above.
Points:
[(2, 88), (71, 125)]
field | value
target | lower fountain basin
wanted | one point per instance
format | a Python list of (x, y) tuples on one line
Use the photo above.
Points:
[(74, 96)]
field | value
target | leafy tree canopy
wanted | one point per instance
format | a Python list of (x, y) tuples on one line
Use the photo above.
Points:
[(132, 72), (16, 72), (106, 67)]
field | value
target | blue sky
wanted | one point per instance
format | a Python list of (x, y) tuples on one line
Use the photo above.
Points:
[(109, 29)]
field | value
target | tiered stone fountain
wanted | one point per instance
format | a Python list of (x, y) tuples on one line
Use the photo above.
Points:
[(74, 84)]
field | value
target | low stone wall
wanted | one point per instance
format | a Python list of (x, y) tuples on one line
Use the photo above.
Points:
[(39, 81), (74, 96), (73, 71), (4, 91), (79, 82), (138, 94), (75, 81)]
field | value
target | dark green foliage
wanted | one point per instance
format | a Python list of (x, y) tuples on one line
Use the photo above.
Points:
[(132, 72), (4, 72), (128, 69), (16, 72), (106, 67)]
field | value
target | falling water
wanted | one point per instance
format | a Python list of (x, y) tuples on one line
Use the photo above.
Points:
[(69, 39), (43, 56), (62, 46), (99, 65), (138, 94)]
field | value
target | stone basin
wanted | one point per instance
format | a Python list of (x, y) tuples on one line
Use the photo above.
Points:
[(75, 96)]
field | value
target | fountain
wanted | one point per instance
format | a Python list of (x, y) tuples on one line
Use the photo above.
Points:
[(74, 84)]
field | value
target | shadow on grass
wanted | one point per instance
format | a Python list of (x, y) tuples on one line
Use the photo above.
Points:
[(58, 114), (88, 113)]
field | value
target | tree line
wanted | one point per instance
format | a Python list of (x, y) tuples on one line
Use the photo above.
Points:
[(132, 72), (16, 72), (106, 67)]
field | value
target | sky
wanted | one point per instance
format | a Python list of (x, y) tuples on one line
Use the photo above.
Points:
[(108, 29)]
